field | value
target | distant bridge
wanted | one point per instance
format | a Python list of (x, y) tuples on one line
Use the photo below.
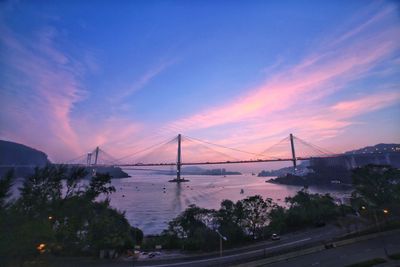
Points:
[(92, 158), (289, 149)]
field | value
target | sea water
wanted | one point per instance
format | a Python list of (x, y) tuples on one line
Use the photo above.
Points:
[(150, 201)]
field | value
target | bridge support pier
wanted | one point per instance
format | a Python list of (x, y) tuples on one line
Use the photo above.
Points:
[(178, 178)]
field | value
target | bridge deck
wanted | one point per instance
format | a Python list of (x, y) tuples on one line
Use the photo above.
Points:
[(214, 162)]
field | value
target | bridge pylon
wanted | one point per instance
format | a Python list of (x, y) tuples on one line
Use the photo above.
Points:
[(96, 155), (178, 178), (89, 159), (293, 151)]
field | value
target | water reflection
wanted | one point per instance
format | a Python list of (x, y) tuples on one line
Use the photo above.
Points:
[(177, 201)]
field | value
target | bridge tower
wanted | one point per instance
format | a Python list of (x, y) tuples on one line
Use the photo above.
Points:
[(96, 155), (293, 151), (179, 162), (89, 159), (178, 178)]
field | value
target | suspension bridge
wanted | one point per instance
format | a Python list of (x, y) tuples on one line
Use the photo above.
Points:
[(185, 151)]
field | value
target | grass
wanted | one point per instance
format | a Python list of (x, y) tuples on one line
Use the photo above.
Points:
[(367, 263)]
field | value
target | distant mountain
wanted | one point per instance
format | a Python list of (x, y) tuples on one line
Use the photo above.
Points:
[(25, 157), (17, 154)]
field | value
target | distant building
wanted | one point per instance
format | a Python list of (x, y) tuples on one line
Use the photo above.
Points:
[(382, 154)]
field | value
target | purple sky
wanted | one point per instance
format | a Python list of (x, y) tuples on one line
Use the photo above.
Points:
[(125, 75)]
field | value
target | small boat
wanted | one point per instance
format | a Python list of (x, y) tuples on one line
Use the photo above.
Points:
[(241, 191)]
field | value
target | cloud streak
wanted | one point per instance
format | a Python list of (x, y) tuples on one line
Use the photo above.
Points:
[(51, 83), (350, 57)]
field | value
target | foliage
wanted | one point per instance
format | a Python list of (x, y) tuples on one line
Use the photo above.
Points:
[(230, 218), (247, 219), (307, 209), (278, 219), (255, 214), (377, 187), (60, 209), (108, 228), (5, 186), (194, 228)]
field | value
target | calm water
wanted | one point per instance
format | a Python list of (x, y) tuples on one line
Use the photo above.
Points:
[(150, 201)]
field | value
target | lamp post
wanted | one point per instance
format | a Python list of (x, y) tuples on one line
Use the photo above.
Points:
[(220, 241), (385, 212), (184, 238)]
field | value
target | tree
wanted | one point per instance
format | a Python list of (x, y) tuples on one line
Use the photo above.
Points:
[(5, 187), (59, 209), (108, 228), (195, 228), (229, 218), (309, 209), (278, 219), (256, 214), (377, 187)]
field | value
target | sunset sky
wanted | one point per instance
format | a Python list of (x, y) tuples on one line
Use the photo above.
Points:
[(128, 74)]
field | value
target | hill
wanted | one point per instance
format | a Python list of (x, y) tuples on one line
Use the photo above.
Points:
[(25, 157), (337, 170), (17, 154)]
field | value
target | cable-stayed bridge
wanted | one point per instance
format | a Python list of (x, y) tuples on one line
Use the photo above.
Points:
[(183, 150)]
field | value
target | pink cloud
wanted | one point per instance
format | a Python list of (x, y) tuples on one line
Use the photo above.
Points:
[(54, 89), (143, 80), (366, 104), (291, 99)]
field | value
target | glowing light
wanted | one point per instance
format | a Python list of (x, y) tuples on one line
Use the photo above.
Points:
[(386, 211), (363, 207), (41, 247), (50, 217)]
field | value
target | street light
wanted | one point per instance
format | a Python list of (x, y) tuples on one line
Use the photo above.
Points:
[(386, 211), (220, 241)]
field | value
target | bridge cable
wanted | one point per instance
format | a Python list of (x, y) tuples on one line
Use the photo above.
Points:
[(209, 148), (145, 149), (234, 149)]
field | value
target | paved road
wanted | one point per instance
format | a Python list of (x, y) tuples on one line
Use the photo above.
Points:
[(252, 252), (348, 254), (316, 236), (248, 253)]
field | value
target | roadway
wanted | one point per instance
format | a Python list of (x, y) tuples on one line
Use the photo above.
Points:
[(348, 254), (251, 252), (264, 250), (231, 256)]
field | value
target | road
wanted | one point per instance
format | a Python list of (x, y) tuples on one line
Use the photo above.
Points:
[(348, 254), (251, 252), (260, 251)]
